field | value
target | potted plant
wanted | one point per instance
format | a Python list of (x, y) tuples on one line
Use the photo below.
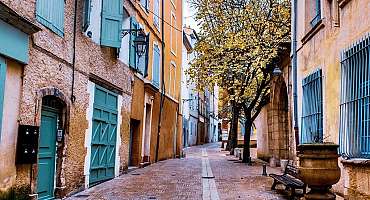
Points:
[(318, 168)]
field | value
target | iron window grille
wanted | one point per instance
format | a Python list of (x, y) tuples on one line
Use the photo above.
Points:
[(354, 130), (312, 109)]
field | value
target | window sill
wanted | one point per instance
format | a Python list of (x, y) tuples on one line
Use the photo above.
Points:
[(356, 161), (342, 3), (312, 32)]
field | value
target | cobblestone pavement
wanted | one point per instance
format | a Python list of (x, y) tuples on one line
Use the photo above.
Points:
[(182, 179)]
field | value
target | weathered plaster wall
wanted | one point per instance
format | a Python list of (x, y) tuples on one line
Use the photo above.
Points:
[(9, 129), (323, 51), (50, 66), (261, 123)]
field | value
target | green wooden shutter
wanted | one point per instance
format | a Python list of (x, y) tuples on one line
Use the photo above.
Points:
[(111, 23), (50, 13), (156, 65), (2, 89), (132, 58), (87, 10), (147, 55)]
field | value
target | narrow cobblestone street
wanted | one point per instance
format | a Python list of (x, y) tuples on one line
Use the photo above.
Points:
[(190, 178)]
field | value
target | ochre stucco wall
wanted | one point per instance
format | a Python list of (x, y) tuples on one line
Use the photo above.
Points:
[(323, 51)]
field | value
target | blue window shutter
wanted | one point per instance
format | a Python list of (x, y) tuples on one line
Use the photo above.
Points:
[(50, 13), (87, 11), (2, 89), (156, 65), (147, 55), (111, 23), (132, 58)]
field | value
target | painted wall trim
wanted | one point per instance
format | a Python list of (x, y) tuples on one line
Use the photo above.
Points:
[(14, 43), (88, 133), (2, 89)]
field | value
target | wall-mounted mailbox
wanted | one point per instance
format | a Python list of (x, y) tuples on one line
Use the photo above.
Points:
[(27, 144)]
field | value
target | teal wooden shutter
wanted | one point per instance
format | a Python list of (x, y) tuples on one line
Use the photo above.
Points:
[(2, 89), (87, 10), (104, 133), (50, 13), (156, 65), (147, 55), (132, 58), (111, 23)]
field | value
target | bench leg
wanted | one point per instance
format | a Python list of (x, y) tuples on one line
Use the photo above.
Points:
[(292, 195), (274, 185), (304, 190)]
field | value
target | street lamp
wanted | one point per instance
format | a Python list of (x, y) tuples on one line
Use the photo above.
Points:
[(140, 43), (277, 71)]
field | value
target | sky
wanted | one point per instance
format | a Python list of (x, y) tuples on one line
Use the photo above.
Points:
[(189, 16)]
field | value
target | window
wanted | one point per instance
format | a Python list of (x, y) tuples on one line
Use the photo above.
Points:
[(173, 34), (51, 14), (145, 4), (111, 23), (86, 14), (316, 10), (354, 132), (312, 116), (156, 14), (156, 65)]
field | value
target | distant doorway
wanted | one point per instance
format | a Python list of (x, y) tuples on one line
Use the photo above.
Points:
[(134, 158)]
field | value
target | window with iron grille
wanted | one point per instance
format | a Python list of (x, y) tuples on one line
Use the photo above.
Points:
[(354, 128), (312, 116)]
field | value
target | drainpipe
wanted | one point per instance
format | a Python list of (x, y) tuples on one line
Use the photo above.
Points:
[(294, 69), (162, 87), (73, 97)]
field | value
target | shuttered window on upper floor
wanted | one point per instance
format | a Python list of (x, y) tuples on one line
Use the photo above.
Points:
[(156, 65), (50, 13), (86, 15), (145, 4), (156, 14), (111, 23)]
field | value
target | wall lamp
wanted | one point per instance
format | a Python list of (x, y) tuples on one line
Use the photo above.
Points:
[(140, 40)]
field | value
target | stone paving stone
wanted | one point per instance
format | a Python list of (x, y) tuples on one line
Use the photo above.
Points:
[(182, 179)]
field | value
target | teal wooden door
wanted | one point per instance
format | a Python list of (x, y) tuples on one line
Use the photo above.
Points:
[(104, 133), (46, 155)]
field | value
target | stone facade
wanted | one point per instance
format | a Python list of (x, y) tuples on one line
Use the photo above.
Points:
[(50, 72), (342, 23)]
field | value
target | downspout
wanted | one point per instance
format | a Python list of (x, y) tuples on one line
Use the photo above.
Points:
[(73, 98), (162, 86), (294, 69)]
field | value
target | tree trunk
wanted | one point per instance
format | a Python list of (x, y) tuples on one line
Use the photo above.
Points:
[(247, 138), (233, 134)]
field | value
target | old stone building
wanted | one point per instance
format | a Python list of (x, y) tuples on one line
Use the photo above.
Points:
[(156, 119), (64, 69), (333, 75)]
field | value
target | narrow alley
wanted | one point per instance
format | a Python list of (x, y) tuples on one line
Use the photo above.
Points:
[(190, 178)]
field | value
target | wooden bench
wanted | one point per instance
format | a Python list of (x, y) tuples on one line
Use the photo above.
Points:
[(289, 179)]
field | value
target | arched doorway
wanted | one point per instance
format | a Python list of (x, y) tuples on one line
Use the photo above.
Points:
[(52, 126), (280, 123)]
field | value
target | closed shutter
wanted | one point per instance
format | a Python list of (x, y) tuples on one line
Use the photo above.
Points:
[(2, 88), (50, 13), (147, 55), (132, 58), (87, 10), (156, 13), (111, 23), (156, 65)]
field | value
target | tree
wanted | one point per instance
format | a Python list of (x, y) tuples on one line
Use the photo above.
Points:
[(239, 41)]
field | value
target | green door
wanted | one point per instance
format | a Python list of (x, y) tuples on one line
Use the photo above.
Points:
[(104, 132), (46, 155)]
